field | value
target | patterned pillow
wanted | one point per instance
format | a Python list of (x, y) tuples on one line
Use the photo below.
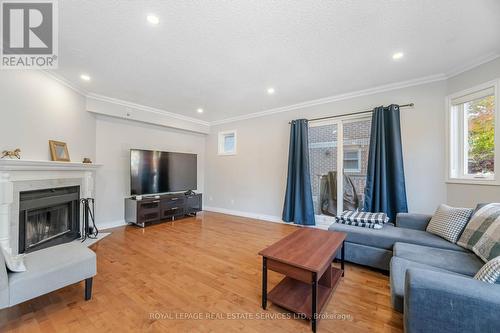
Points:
[(362, 219), (488, 246), (359, 224), (490, 272), (482, 233), (449, 222), (365, 217)]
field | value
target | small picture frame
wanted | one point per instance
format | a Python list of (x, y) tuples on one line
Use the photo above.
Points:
[(59, 151)]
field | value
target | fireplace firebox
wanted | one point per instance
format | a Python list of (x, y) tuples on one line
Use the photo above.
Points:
[(48, 217)]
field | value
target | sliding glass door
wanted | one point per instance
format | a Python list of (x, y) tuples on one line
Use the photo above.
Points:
[(334, 178)]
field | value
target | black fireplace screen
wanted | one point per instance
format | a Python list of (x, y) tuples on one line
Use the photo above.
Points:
[(48, 217), (47, 223)]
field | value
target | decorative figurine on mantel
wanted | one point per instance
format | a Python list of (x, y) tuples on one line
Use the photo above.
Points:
[(87, 160), (12, 153)]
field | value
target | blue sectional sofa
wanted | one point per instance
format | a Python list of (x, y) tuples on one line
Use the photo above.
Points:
[(431, 278), (374, 247)]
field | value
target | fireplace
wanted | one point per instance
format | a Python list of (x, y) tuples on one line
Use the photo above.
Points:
[(48, 217)]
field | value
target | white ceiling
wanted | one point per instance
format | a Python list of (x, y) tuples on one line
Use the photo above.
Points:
[(223, 55)]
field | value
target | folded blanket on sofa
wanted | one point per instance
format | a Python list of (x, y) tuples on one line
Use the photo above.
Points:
[(362, 219)]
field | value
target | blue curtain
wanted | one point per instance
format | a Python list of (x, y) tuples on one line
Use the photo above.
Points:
[(298, 207), (385, 181)]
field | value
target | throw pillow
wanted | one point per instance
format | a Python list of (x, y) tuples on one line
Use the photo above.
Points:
[(449, 222), (13, 263), (488, 246), (490, 272), (362, 219), (482, 219)]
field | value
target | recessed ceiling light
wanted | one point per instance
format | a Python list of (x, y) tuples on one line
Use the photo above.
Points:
[(270, 91), (398, 55), (85, 77), (153, 19), (200, 110)]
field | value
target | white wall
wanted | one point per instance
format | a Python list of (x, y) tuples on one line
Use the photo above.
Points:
[(466, 195), (253, 181), (34, 108), (115, 138)]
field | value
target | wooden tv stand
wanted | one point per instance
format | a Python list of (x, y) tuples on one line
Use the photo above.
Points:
[(151, 210)]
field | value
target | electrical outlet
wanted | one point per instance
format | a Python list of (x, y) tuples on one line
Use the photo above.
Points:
[(232, 201)]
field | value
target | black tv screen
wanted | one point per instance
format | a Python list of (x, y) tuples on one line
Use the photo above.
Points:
[(154, 172)]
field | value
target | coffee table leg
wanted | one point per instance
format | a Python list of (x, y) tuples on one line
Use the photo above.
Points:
[(264, 282), (314, 302), (342, 256)]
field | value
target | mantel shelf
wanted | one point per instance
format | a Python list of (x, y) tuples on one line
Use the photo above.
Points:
[(32, 165)]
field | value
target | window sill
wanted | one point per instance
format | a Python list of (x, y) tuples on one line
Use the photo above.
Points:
[(482, 182)]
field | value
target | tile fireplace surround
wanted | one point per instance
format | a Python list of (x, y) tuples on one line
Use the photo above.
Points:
[(22, 175)]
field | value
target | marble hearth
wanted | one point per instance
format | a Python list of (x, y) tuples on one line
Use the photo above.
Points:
[(17, 176)]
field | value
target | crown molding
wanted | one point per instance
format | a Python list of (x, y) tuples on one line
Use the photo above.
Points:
[(336, 98), (64, 82), (146, 108), (471, 65)]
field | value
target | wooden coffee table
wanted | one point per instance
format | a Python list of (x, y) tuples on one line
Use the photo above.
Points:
[(305, 257)]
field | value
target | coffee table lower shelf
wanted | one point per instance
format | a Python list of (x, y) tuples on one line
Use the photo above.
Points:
[(296, 295)]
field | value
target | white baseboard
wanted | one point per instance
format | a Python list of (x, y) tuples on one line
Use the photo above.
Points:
[(320, 223), (257, 216), (111, 224)]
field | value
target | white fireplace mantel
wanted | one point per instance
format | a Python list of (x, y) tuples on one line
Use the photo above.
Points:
[(31, 165), (17, 176)]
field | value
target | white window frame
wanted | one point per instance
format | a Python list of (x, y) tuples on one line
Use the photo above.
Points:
[(455, 141), (358, 151), (221, 137)]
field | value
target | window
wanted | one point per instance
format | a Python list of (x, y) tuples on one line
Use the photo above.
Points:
[(347, 136), (472, 140), (227, 143), (352, 160)]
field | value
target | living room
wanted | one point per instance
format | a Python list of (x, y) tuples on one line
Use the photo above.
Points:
[(172, 166)]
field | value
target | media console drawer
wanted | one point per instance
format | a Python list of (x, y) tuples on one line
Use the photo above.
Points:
[(166, 207)]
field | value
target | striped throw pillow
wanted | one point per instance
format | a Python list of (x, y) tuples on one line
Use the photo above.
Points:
[(359, 224), (362, 219), (482, 233), (490, 272)]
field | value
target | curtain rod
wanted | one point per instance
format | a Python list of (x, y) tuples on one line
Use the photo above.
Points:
[(409, 105)]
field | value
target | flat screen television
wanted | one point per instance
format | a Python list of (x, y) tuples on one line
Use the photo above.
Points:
[(153, 172)]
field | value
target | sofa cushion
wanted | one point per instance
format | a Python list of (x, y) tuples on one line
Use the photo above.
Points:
[(50, 269), (466, 263), (398, 275), (449, 222), (367, 255), (386, 237)]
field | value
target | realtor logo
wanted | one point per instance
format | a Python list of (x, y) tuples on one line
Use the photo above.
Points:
[(29, 34)]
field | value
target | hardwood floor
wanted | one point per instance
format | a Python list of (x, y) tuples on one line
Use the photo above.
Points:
[(165, 277)]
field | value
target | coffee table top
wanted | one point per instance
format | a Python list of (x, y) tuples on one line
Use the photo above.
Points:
[(307, 248)]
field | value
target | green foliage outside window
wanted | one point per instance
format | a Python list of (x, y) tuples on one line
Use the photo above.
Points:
[(481, 136)]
